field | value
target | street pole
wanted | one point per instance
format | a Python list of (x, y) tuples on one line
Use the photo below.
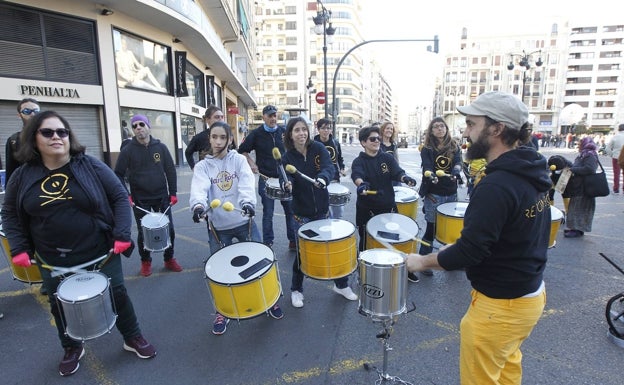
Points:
[(342, 59)]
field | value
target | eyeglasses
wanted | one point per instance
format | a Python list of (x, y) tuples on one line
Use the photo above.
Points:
[(440, 125), (325, 127), (135, 125), (373, 139), (49, 132), (28, 111)]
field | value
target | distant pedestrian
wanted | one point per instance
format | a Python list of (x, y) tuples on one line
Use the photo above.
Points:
[(26, 109), (613, 150), (200, 143)]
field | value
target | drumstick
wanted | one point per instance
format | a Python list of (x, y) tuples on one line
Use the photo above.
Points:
[(278, 157), (293, 170), (370, 192), (384, 221)]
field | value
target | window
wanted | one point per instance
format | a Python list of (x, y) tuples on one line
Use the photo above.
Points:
[(194, 80), (141, 63)]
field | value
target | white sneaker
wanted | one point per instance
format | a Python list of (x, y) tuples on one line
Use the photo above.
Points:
[(346, 292), (296, 297)]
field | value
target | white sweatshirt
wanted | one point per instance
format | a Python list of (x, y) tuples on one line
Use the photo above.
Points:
[(230, 180)]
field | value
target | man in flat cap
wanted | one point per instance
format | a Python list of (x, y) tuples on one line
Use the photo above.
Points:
[(503, 243)]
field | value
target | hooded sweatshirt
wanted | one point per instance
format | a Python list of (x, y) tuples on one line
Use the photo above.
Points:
[(230, 180), (506, 227), (379, 171)]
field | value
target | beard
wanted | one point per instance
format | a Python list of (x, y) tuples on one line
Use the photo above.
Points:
[(480, 148)]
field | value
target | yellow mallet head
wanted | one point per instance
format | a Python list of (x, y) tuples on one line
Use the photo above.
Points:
[(440, 173), (553, 167), (215, 203), (291, 169), (427, 174), (228, 206), (277, 155)]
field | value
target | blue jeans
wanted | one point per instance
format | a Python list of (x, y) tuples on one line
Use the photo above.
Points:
[(297, 277), (336, 212), (226, 237), (268, 206)]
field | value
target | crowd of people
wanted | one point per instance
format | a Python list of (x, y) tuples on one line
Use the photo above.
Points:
[(55, 189)]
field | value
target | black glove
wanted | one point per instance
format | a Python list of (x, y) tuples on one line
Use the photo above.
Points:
[(408, 180), (198, 214), (364, 186), (249, 210)]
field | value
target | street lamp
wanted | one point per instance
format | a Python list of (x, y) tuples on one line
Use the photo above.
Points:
[(525, 61), (323, 16), (311, 90)]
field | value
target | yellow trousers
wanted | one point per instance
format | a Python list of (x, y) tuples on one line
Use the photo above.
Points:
[(492, 331)]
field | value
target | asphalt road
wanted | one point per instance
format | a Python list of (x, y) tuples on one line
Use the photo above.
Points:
[(327, 341)]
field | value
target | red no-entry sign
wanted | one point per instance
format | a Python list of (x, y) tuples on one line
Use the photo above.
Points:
[(320, 97)]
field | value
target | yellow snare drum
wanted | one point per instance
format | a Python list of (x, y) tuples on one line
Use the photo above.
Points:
[(556, 217), (406, 200), (243, 279), (327, 248), (394, 229), (30, 274), (450, 221)]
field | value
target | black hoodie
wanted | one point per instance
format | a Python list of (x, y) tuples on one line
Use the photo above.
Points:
[(506, 230)]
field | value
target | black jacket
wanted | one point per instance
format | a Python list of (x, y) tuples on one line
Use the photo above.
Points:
[(335, 154), (379, 171), (263, 143)]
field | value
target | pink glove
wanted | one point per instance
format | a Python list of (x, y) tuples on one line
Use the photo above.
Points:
[(22, 259), (121, 246), (130, 200), (173, 200)]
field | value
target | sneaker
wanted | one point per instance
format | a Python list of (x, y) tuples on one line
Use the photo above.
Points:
[(346, 292), (173, 265), (573, 234), (220, 324), (71, 360), (276, 312), (146, 268), (412, 277), (292, 246), (296, 297), (428, 272), (140, 346)]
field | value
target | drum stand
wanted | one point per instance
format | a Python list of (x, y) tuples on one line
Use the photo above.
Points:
[(383, 373)]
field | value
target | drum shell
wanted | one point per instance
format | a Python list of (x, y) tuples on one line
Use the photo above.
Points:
[(87, 303), (556, 217), (449, 221), (155, 227), (273, 190), (406, 200), (383, 284), (30, 274), (339, 195), (242, 298), (405, 227), (327, 259)]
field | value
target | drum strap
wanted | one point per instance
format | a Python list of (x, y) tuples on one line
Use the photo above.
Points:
[(214, 232)]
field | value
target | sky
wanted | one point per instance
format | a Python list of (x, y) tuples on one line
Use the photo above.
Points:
[(410, 69)]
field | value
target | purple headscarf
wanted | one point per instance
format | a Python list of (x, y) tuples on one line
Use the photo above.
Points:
[(587, 147)]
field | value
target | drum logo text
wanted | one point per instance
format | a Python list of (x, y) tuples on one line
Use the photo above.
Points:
[(373, 291)]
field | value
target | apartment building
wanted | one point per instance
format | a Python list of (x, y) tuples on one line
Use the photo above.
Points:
[(98, 65)]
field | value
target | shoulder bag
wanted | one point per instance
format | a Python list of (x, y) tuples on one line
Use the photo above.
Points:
[(596, 185)]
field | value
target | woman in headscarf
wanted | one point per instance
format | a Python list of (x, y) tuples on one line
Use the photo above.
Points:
[(581, 208)]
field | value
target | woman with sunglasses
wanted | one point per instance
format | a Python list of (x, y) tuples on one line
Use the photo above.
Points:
[(64, 209), (374, 171)]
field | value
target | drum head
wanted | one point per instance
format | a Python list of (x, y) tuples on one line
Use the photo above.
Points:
[(273, 182), (392, 228), (404, 194), (453, 209), (154, 220), (239, 263), (82, 286), (337, 189), (555, 214), (381, 257), (326, 230)]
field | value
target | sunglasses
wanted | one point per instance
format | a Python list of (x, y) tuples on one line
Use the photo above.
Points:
[(135, 125), (373, 139), (28, 111), (49, 132)]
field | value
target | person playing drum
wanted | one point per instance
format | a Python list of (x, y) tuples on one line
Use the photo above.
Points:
[(503, 245), (225, 176), (324, 136), (373, 172), (153, 185), (439, 153), (65, 208), (310, 199)]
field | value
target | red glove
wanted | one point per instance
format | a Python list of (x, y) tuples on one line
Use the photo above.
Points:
[(22, 259), (121, 246), (173, 200), (130, 200)]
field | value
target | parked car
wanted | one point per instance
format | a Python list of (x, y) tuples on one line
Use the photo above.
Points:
[(402, 143)]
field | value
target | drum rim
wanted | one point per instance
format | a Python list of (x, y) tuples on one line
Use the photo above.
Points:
[(463, 204), (269, 267), (410, 220), (377, 249), (328, 240), (94, 273)]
